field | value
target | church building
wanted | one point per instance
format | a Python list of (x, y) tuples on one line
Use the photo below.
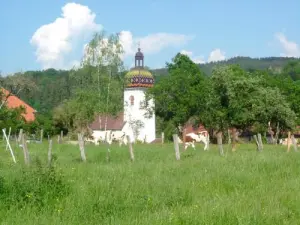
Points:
[(135, 121)]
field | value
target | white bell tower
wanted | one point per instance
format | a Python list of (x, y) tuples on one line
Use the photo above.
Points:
[(140, 123)]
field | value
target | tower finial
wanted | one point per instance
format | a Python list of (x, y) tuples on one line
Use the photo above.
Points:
[(139, 46)]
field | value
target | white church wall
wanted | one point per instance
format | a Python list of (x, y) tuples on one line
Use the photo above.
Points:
[(134, 112)]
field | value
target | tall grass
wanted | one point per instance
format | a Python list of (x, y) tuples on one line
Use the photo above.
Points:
[(245, 187)]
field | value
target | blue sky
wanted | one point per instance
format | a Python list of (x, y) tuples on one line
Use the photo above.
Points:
[(207, 30)]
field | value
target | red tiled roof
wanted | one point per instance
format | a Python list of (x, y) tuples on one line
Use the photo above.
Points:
[(113, 122), (14, 102)]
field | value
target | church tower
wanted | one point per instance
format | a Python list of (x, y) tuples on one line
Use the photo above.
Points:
[(138, 80)]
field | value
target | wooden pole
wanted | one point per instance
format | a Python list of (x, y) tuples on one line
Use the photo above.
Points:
[(220, 142), (50, 153), (277, 133), (61, 135), (294, 142), (184, 139), (10, 149), (260, 141), (176, 146), (25, 149), (162, 138), (42, 134), (107, 141), (130, 148), (81, 147), (8, 139), (257, 143), (20, 135), (289, 141)]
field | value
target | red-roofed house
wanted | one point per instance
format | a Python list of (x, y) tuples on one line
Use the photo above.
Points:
[(13, 101)]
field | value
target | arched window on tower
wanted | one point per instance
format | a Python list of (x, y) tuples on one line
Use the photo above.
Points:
[(131, 98)]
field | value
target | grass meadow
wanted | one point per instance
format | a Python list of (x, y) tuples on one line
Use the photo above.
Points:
[(244, 187)]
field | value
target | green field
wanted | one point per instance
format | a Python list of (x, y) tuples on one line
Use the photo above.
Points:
[(245, 187)]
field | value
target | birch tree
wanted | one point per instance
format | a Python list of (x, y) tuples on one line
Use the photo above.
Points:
[(98, 87)]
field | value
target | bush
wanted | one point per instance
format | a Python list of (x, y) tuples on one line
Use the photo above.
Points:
[(37, 186)]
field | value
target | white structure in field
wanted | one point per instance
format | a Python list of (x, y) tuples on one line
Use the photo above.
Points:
[(135, 120), (140, 121)]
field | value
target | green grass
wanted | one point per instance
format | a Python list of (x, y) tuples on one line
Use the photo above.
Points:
[(245, 187)]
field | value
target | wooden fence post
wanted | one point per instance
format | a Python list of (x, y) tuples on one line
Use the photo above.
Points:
[(10, 149), (162, 138), (8, 137), (50, 153), (130, 148), (107, 141), (260, 141), (81, 147), (20, 135), (176, 146), (25, 149), (42, 134), (289, 141), (184, 139), (294, 142), (220, 142)]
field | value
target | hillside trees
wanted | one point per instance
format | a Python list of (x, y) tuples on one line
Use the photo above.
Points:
[(15, 85)]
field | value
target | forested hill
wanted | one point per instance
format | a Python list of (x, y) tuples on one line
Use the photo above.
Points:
[(54, 86), (247, 63)]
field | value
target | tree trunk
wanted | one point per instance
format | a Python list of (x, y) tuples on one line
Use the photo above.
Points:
[(220, 142)]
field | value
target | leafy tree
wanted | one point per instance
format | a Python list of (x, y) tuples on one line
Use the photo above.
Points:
[(179, 96), (12, 118), (237, 99)]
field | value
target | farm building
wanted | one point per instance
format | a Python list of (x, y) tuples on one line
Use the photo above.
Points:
[(134, 120), (13, 101)]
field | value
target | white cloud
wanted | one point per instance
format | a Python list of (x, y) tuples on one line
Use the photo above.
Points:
[(55, 40), (152, 43), (196, 59), (216, 55), (290, 48)]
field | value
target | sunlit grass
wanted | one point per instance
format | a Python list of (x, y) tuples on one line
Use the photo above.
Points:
[(244, 187)]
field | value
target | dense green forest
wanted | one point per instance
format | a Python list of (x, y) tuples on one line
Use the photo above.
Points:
[(54, 86), (275, 64)]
